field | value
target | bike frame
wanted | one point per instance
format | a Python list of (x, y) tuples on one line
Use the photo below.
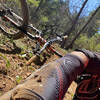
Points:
[(38, 38)]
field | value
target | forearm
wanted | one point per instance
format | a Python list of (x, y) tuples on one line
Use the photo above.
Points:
[(66, 70), (93, 65), (52, 81)]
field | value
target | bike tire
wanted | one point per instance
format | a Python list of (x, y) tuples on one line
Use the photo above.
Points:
[(23, 22)]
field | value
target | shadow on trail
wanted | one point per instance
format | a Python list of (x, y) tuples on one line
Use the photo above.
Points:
[(13, 51), (42, 61)]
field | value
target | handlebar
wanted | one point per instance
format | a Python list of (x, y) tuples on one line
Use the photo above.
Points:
[(42, 41)]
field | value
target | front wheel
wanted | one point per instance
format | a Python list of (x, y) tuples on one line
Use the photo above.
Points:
[(20, 17)]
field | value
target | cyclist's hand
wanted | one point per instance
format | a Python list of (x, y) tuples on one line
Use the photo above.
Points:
[(92, 63)]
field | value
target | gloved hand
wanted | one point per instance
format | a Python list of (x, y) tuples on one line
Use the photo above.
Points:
[(93, 65)]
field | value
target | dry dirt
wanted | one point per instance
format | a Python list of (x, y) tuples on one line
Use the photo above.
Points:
[(12, 67)]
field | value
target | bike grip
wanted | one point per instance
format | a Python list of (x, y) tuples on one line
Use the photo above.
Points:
[(33, 58)]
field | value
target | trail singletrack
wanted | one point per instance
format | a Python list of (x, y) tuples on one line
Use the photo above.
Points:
[(13, 71)]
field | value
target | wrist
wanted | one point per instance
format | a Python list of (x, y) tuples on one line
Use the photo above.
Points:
[(82, 56)]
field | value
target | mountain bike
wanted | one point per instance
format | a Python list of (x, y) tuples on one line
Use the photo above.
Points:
[(8, 15), (47, 45)]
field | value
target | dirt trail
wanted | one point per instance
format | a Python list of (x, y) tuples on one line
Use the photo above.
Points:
[(12, 71)]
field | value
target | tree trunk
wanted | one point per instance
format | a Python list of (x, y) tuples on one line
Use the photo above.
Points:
[(25, 16), (74, 23), (77, 35)]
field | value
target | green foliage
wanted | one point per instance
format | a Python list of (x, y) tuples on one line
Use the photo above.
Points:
[(97, 48), (0, 93), (56, 0), (34, 2), (81, 42), (3, 39), (92, 43), (6, 61), (15, 1), (18, 79), (44, 19)]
